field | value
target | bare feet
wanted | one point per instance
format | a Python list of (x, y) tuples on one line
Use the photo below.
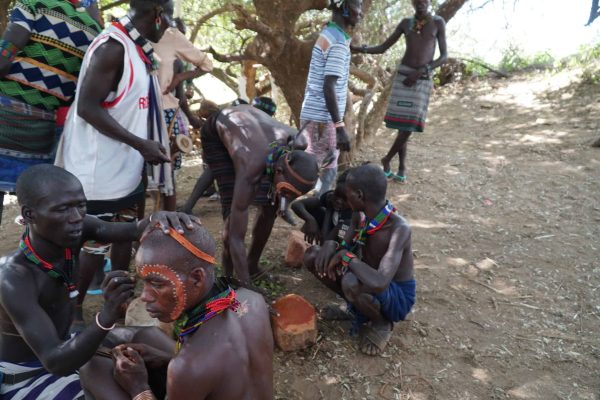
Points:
[(375, 337), (386, 164)]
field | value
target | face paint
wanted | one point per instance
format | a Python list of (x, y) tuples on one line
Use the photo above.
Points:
[(178, 292)]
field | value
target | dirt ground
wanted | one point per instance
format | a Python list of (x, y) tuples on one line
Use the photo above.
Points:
[(503, 198)]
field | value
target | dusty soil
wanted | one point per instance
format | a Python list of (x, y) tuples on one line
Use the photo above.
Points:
[(503, 197)]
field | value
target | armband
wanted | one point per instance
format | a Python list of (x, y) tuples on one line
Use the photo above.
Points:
[(346, 260), (7, 49)]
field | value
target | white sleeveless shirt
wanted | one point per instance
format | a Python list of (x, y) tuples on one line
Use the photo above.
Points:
[(109, 169)]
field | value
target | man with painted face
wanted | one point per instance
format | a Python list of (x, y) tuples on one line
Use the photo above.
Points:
[(38, 358), (224, 347), (327, 89), (373, 267), (250, 156), (117, 124), (407, 107)]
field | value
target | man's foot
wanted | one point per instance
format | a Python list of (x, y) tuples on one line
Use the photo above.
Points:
[(386, 165), (374, 337), (389, 174), (399, 178)]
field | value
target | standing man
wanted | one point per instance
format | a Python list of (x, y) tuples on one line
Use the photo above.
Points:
[(116, 124), (41, 53), (249, 154), (327, 89), (407, 108)]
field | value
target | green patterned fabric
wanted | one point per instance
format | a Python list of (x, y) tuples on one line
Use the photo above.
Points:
[(44, 73)]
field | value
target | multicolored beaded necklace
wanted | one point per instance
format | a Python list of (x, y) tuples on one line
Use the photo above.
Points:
[(367, 229), (417, 24), (144, 47), (65, 274), (191, 321)]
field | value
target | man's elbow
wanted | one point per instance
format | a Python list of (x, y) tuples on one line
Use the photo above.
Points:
[(57, 367)]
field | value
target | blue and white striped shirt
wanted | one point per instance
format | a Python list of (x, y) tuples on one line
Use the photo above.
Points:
[(330, 57)]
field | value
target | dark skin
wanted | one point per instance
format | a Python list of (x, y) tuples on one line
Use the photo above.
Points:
[(246, 133), (229, 368), (103, 76), (308, 207), (355, 15), (35, 310), (386, 256), (420, 49)]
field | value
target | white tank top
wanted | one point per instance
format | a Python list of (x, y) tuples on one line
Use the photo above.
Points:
[(109, 169)]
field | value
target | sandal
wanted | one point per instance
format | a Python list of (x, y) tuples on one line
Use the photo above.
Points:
[(399, 178), (374, 340), (389, 174)]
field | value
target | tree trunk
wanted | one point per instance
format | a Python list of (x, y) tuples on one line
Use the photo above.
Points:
[(5, 7), (449, 8), (594, 12)]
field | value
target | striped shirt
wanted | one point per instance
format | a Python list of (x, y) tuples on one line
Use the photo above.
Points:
[(330, 57), (44, 72)]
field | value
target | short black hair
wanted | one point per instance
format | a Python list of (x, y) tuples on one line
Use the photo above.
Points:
[(36, 180), (303, 164), (370, 179)]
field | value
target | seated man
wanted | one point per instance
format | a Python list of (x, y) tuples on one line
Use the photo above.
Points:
[(251, 157), (325, 218), (374, 270), (38, 358), (224, 345)]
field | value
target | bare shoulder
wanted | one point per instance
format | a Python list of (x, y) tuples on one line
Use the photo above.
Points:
[(405, 24), (251, 301), (14, 277), (439, 21), (401, 225)]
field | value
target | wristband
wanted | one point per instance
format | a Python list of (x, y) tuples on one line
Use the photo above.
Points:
[(7, 49), (145, 395), (345, 245), (346, 260), (339, 124), (110, 328)]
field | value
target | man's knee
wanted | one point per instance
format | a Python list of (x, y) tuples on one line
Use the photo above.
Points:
[(309, 257), (350, 287)]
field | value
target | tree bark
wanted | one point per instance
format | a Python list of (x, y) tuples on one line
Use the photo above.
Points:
[(5, 7), (449, 8)]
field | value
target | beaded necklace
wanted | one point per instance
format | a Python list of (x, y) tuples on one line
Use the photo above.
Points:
[(192, 320), (367, 229), (65, 274), (144, 47), (417, 24)]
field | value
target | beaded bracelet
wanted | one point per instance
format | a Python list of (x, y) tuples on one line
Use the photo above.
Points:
[(345, 245), (7, 49), (145, 395), (346, 260), (102, 327)]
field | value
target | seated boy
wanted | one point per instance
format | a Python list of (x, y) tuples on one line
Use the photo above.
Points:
[(373, 270), (224, 347), (325, 218)]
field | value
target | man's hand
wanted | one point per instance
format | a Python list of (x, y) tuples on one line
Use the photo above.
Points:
[(166, 219), (333, 269), (130, 371), (412, 77), (343, 142), (153, 357), (117, 288), (312, 233), (177, 79), (153, 152), (327, 251)]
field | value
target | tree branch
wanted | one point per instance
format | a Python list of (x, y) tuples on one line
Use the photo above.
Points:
[(227, 58), (594, 12), (449, 8), (200, 21), (363, 76), (246, 20)]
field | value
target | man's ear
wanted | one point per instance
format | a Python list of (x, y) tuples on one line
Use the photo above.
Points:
[(198, 276), (360, 194), (28, 214)]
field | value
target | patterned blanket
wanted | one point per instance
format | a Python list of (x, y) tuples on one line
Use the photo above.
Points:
[(41, 386)]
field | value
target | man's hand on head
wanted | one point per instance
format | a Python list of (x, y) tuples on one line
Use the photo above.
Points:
[(343, 141), (168, 219), (130, 370)]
